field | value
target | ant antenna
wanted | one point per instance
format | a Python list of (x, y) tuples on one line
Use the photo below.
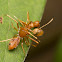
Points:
[(47, 23)]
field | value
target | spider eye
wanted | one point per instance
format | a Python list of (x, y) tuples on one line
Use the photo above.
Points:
[(9, 43)]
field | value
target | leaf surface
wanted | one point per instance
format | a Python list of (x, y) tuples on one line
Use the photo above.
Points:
[(19, 9)]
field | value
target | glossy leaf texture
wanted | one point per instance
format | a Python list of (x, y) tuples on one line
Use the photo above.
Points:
[(19, 9)]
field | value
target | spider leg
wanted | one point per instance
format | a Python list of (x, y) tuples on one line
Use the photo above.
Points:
[(14, 27), (34, 41), (15, 35), (30, 30), (28, 19), (6, 40), (28, 16), (34, 45), (22, 47), (14, 20), (26, 42), (22, 22), (34, 36)]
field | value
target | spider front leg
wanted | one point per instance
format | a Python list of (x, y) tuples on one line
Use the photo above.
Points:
[(14, 20), (28, 16), (28, 19), (22, 22)]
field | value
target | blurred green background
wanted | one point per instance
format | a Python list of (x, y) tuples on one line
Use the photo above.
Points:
[(47, 50)]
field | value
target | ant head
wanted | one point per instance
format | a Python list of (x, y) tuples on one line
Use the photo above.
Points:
[(36, 24)]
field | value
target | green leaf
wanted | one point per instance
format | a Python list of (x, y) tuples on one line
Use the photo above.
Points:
[(19, 9), (58, 54)]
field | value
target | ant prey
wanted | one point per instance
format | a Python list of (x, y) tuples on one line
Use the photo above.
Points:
[(24, 32)]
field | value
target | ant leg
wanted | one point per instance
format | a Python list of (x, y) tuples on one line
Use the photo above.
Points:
[(25, 41), (34, 41), (47, 23), (22, 47), (6, 40), (14, 27), (34, 36), (14, 20)]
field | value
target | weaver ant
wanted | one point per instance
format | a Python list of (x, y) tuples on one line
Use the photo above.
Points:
[(25, 31)]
